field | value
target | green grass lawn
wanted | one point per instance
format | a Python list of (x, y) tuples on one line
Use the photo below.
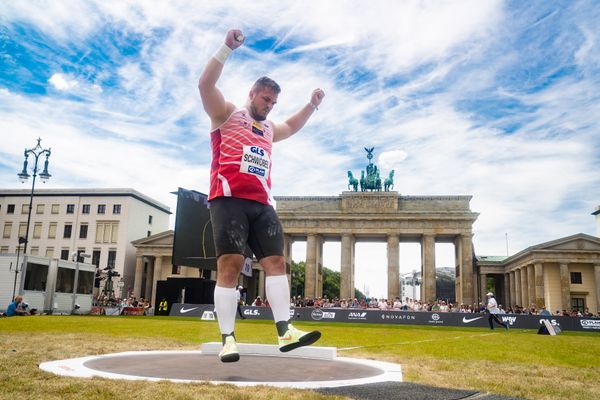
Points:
[(517, 363)]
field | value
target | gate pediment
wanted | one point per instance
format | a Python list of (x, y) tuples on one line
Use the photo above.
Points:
[(572, 243)]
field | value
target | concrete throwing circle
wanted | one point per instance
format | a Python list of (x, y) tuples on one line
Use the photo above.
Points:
[(251, 370)]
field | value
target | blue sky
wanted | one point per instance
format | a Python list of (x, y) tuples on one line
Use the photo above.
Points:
[(499, 100)]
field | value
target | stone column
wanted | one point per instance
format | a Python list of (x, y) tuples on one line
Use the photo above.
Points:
[(518, 298), (261, 284), (319, 253), (148, 291), (597, 274), (346, 272), (524, 290), (482, 288), (539, 285), (287, 255), (506, 287), (565, 287), (156, 277), (139, 274), (428, 260), (531, 285), (467, 268), (310, 274), (393, 273), (513, 292)]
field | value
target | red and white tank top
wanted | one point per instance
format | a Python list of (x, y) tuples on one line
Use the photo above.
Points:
[(241, 158)]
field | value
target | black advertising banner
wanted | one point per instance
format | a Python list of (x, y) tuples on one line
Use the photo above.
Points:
[(193, 244), (517, 321)]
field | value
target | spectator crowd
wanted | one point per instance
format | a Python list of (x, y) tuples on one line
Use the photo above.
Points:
[(409, 304)]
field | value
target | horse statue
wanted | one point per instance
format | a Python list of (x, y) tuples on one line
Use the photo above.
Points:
[(363, 182), (377, 182), (388, 184), (352, 182)]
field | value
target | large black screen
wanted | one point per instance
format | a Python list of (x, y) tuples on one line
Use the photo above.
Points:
[(193, 245)]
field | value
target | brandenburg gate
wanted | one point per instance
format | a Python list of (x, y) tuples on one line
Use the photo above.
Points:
[(385, 217)]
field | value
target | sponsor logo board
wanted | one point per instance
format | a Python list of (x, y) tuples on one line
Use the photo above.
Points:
[(250, 312), (208, 316), (184, 310), (590, 323), (436, 319), (553, 322), (399, 316), (318, 314), (466, 320), (357, 315)]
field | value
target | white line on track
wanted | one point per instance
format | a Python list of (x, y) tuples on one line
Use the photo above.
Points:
[(414, 342)]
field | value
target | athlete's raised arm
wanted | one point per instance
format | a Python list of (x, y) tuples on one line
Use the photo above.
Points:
[(294, 123), (212, 99)]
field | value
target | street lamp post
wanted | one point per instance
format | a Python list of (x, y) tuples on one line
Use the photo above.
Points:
[(36, 152)]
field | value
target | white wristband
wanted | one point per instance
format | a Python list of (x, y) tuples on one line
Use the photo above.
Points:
[(313, 106), (222, 54)]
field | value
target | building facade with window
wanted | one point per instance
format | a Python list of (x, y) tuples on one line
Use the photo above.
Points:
[(98, 222), (563, 274)]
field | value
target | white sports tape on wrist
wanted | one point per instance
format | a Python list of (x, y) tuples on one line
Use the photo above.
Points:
[(222, 54)]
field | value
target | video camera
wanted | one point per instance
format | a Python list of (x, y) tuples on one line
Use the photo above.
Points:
[(110, 272)]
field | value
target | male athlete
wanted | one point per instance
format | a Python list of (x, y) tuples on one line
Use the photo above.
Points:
[(240, 184)]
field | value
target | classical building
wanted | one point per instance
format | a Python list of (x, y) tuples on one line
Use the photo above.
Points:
[(98, 222), (562, 274), (387, 217), (154, 262)]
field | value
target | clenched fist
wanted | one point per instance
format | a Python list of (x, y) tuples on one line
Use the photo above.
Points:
[(317, 97), (234, 39)]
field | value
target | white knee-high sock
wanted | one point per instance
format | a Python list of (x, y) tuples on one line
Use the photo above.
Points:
[(226, 307), (278, 294)]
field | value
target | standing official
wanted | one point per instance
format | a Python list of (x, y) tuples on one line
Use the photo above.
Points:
[(492, 310)]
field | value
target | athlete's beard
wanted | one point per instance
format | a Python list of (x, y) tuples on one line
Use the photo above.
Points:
[(256, 115)]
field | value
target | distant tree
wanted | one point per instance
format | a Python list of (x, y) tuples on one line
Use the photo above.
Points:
[(331, 282), (297, 284)]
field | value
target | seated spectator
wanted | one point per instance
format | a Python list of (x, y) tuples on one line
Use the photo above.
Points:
[(318, 303), (257, 302), (16, 308), (545, 312), (355, 303), (373, 303), (397, 306)]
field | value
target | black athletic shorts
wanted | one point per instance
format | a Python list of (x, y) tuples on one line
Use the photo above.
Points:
[(239, 224)]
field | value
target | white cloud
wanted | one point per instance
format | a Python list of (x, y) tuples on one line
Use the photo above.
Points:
[(62, 82), (396, 76)]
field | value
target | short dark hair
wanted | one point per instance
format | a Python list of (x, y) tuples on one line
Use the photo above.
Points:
[(266, 82)]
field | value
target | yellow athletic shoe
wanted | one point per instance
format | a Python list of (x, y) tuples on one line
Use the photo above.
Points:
[(295, 338), (229, 353)]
